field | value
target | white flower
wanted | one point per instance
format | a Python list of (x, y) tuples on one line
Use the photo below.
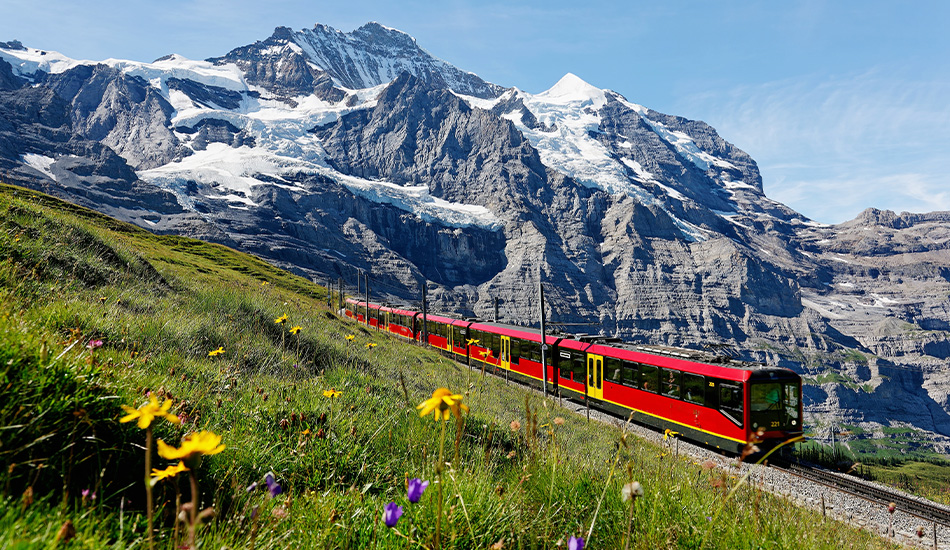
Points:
[(631, 490)]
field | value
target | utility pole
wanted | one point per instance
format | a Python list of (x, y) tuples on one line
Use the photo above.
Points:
[(425, 318), (366, 275), (340, 296), (544, 346), (329, 293)]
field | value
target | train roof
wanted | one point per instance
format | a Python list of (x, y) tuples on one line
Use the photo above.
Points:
[(704, 362), (720, 366), (515, 331)]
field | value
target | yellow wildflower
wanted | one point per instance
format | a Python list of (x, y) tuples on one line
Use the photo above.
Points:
[(294, 330), (443, 403), (193, 447), (349, 337), (147, 412), (171, 471), (669, 433), (218, 351), (472, 341), (264, 283), (331, 393), (370, 345), (281, 320)]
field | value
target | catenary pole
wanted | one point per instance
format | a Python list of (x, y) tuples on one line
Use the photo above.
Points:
[(425, 314), (544, 345)]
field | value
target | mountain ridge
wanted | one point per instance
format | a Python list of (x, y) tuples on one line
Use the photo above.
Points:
[(652, 226)]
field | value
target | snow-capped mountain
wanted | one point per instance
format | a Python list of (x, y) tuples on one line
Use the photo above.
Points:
[(327, 152)]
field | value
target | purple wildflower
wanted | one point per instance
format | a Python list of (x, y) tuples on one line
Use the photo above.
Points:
[(93, 344), (575, 543), (391, 514), (252, 487), (272, 486), (416, 488)]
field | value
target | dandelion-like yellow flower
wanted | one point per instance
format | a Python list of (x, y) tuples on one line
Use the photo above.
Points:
[(349, 337), (472, 341), (264, 283), (147, 412), (294, 330), (443, 403), (370, 345), (218, 351), (171, 471), (669, 433), (332, 393), (193, 447), (281, 320)]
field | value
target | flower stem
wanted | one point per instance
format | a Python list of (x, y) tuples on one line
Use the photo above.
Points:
[(438, 473), (149, 504), (193, 513)]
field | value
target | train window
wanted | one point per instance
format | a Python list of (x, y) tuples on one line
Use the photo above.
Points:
[(670, 382), (648, 378), (495, 345), (579, 362), (614, 370), (766, 397), (730, 400), (515, 350), (531, 351), (694, 388), (791, 401), (565, 364), (631, 371)]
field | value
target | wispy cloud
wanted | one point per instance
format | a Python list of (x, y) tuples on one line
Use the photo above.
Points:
[(830, 148)]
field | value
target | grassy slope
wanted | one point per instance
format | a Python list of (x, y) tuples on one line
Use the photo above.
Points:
[(160, 304)]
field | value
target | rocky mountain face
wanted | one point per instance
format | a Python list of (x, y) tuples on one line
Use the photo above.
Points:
[(329, 152)]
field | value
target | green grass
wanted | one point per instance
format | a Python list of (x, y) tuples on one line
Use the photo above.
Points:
[(161, 304), (928, 479)]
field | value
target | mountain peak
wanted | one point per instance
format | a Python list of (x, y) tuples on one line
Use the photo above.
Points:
[(573, 88), (374, 27)]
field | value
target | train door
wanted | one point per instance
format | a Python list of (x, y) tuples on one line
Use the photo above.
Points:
[(595, 376), (505, 357)]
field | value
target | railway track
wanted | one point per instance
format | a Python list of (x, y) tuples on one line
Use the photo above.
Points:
[(928, 511)]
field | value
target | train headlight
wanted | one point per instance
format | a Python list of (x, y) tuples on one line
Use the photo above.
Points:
[(794, 422)]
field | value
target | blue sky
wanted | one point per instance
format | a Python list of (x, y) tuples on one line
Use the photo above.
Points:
[(844, 104)]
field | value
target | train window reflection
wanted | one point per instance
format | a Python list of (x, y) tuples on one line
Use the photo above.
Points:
[(648, 378), (614, 370), (693, 388), (766, 397), (730, 400)]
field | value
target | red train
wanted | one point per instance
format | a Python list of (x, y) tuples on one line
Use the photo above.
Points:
[(712, 400)]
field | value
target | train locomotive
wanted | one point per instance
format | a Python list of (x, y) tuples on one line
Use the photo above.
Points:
[(713, 400)]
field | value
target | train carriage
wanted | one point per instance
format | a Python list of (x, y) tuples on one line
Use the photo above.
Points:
[(447, 334), (400, 322), (516, 350), (358, 310), (725, 404)]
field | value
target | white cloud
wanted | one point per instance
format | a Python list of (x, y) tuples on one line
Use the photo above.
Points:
[(831, 148)]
